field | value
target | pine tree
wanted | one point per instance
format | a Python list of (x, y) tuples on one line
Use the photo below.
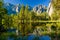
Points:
[(21, 18), (3, 12), (26, 12)]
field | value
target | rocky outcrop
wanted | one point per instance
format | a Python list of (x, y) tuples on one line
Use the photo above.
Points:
[(39, 9), (12, 8), (50, 9)]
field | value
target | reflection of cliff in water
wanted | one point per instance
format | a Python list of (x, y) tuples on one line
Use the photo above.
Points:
[(35, 28)]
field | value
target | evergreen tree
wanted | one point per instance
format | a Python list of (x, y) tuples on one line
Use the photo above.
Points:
[(26, 13), (3, 12), (21, 18)]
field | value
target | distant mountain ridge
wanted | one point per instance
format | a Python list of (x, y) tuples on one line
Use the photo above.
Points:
[(12, 8), (16, 8), (40, 9)]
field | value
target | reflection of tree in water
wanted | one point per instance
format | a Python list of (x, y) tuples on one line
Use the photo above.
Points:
[(25, 28), (40, 27)]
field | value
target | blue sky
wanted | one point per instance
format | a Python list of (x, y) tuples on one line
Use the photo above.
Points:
[(32, 3)]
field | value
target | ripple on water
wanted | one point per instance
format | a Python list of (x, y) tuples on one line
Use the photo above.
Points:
[(32, 37)]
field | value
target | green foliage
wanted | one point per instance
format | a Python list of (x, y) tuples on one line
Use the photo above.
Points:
[(56, 7), (25, 20), (1, 4), (3, 13), (27, 14), (56, 4), (42, 16), (54, 16), (33, 16), (21, 14)]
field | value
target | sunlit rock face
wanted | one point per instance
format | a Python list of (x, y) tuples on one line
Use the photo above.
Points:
[(39, 9), (50, 9), (17, 9)]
